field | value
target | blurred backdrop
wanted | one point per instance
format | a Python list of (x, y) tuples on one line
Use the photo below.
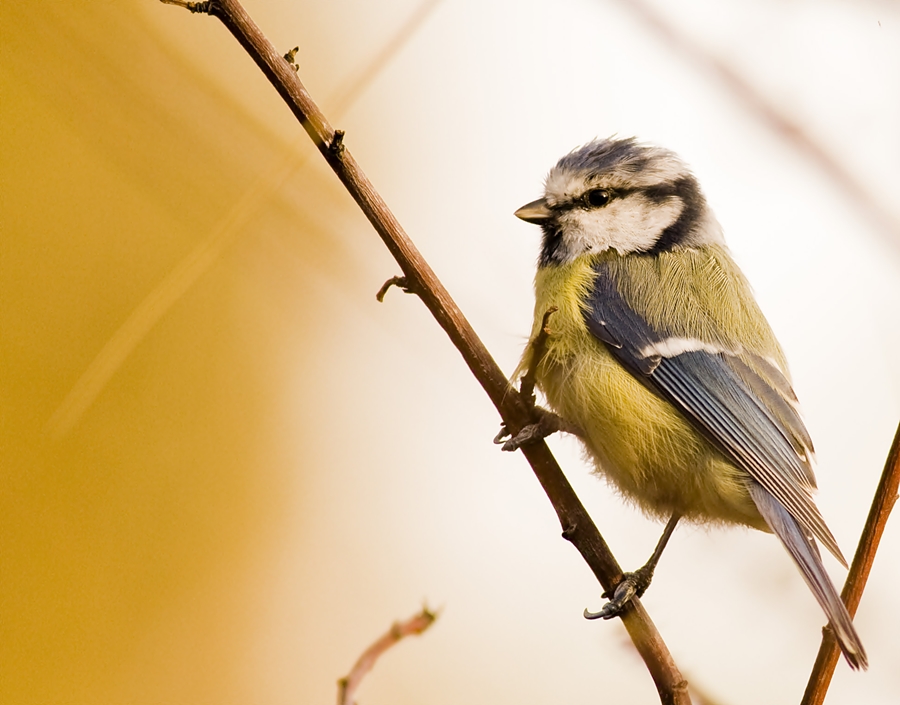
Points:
[(227, 468)]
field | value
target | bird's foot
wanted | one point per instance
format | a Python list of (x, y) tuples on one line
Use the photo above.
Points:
[(631, 585), (547, 424)]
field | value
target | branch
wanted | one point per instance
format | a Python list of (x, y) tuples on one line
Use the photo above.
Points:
[(349, 684), (882, 504), (576, 523)]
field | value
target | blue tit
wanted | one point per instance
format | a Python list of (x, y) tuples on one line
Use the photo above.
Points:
[(659, 354)]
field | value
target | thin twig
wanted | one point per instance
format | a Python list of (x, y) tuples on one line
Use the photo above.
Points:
[(200, 8), (538, 347), (576, 523), (882, 504), (349, 684), (399, 282)]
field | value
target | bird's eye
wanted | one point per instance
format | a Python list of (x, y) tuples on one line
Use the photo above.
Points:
[(595, 198)]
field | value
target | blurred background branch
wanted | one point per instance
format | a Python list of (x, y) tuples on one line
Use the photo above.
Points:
[(415, 625), (206, 253), (770, 114)]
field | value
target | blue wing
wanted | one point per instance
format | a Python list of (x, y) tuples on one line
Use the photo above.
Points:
[(744, 409), (745, 412)]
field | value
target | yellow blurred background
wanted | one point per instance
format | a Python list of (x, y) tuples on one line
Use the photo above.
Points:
[(227, 469)]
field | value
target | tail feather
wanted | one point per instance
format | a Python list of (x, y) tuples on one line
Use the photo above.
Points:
[(805, 553)]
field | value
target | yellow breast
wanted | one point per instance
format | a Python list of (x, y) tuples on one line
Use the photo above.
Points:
[(638, 440)]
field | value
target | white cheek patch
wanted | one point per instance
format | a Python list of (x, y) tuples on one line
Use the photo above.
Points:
[(639, 222), (631, 224)]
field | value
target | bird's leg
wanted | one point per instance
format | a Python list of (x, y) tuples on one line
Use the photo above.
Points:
[(547, 424), (635, 583)]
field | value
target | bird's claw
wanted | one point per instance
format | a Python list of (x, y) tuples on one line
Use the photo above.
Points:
[(631, 585), (529, 434), (547, 424)]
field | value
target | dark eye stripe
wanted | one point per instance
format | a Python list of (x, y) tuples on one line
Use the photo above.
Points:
[(688, 191), (661, 192)]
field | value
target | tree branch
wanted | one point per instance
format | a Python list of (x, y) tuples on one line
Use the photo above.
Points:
[(577, 525), (882, 504)]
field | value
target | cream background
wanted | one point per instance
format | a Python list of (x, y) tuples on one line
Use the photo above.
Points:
[(275, 467)]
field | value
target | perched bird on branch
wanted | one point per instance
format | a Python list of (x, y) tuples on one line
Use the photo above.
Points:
[(660, 357)]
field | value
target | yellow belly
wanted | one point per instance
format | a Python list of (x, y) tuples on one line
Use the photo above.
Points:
[(639, 441)]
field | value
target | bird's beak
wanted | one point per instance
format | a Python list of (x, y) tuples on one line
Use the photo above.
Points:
[(536, 212)]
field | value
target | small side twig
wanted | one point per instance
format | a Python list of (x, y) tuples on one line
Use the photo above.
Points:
[(291, 57), (337, 144), (885, 498), (400, 282), (199, 8), (538, 348), (349, 684), (543, 421)]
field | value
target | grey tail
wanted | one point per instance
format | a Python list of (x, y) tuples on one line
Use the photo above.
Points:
[(805, 553)]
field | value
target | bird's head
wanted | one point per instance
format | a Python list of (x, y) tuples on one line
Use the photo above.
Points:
[(622, 195)]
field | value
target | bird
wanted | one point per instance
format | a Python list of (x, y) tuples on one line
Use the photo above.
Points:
[(648, 344)]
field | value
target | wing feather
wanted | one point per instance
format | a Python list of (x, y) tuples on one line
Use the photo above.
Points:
[(745, 414)]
